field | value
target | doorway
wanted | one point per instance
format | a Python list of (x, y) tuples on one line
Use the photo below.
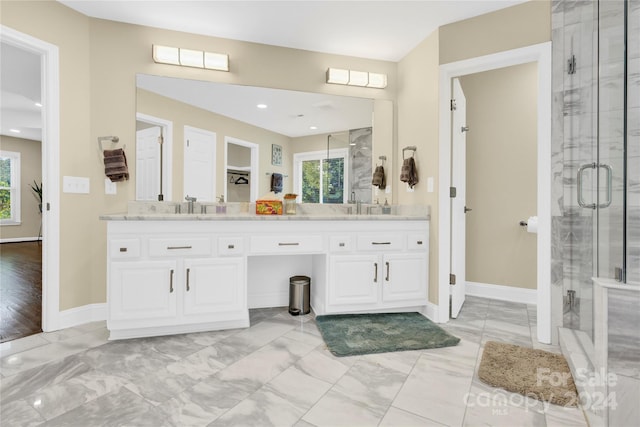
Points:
[(154, 160), (241, 170), (50, 154), (541, 54)]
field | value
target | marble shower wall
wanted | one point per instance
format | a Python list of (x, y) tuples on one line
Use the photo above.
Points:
[(360, 173), (633, 143)]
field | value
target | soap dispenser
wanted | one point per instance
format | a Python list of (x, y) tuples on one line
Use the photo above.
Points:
[(386, 209), (221, 208)]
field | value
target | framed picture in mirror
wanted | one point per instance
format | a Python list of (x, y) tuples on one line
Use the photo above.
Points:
[(276, 155)]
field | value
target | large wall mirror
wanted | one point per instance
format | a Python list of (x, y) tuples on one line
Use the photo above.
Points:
[(208, 140)]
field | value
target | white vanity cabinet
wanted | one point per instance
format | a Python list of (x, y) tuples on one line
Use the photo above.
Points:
[(190, 273), (383, 270), (169, 280)]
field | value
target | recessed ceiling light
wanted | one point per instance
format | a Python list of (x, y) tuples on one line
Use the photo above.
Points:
[(38, 104), (14, 130), (262, 106), (313, 127)]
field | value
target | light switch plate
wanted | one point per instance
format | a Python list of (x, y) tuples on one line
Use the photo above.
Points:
[(110, 187), (75, 184), (430, 184)]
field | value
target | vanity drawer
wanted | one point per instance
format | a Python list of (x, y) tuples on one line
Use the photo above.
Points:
[(176, 246), (229, 246), (124, 248), (340, 244), (417, 241), (286, 244), (381, 242)]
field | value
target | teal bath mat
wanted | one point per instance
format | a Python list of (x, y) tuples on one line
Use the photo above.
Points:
[(355, 334)]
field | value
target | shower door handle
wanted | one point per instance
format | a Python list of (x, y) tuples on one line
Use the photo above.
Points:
[(609, 170), (581, 201)]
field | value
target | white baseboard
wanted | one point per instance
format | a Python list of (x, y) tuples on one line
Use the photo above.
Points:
[(20, 239), (81, 315), (501, 292), (431, 312)]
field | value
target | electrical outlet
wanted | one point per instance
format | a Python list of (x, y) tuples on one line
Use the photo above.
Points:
[(110, 187), (75, 184)]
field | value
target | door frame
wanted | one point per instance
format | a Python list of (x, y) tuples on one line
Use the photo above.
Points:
[(167, 151), (541, 54), (50, 151), (254, 172)]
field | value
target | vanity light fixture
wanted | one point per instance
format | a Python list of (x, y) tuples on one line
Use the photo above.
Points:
[(262, 106), (190, 58), (356, 78), (14, 130), (313, 127)]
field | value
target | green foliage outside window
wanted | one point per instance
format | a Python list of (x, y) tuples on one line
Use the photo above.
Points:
[(5, 186)]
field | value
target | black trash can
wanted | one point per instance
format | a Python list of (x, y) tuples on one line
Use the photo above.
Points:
[(299, 295)]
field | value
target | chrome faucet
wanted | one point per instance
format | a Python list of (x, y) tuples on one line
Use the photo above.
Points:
[(191, 201)]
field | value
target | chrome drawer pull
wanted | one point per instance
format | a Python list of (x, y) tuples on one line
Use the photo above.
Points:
[(178, 247), (419, 242), (341, 245), (188, 271), (123, 249), (171, 282), (289, 244), (380, 243), (231, 247), (375, 269), (387, 278)]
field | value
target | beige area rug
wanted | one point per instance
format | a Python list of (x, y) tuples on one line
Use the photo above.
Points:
[(534, 373)]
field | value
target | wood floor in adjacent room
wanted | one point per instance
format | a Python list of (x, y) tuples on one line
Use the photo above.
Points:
[(20, 290)]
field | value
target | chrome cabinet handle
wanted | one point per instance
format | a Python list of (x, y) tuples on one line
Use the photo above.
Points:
[(231, 247), (179, 247), (375, 269), (123, 249), (419, 242), (288, 244), (609, 186), (581, 201), (380, 243), (387, 264), (171, 282), (188, 271)]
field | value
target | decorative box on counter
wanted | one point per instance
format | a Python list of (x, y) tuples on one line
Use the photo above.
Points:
[(268, 207)]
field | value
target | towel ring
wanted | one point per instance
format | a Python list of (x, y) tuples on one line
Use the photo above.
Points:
[(412, 148), (113, 139)]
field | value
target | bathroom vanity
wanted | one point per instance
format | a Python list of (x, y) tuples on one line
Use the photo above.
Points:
[(178, 273)]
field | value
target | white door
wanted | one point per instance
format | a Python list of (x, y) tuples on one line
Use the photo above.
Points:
[(199, 164), (458, 207), (148, 163)]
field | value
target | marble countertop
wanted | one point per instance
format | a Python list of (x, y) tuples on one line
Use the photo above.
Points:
[(166, 211), (254, 217)]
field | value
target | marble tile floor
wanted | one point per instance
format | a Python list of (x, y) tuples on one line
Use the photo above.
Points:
[(277, 372)]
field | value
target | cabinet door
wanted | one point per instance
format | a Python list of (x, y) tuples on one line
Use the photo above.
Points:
[(142, 290), (213, 285), (404, 277), (355, 279)]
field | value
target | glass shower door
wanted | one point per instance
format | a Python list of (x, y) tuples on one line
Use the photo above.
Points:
[(612, 147)]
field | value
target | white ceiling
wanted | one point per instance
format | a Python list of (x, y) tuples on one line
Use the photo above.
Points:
[(385, 30)]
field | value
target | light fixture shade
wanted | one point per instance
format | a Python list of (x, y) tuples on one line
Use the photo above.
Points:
[(166, 55), (358, 78), (337, 76), (191, 58), (377, 80), (216, 61)]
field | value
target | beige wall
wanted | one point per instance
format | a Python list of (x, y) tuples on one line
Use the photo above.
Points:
[(185, 115), (418, 125), (501, 175), (525, 24), (30, 171)]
